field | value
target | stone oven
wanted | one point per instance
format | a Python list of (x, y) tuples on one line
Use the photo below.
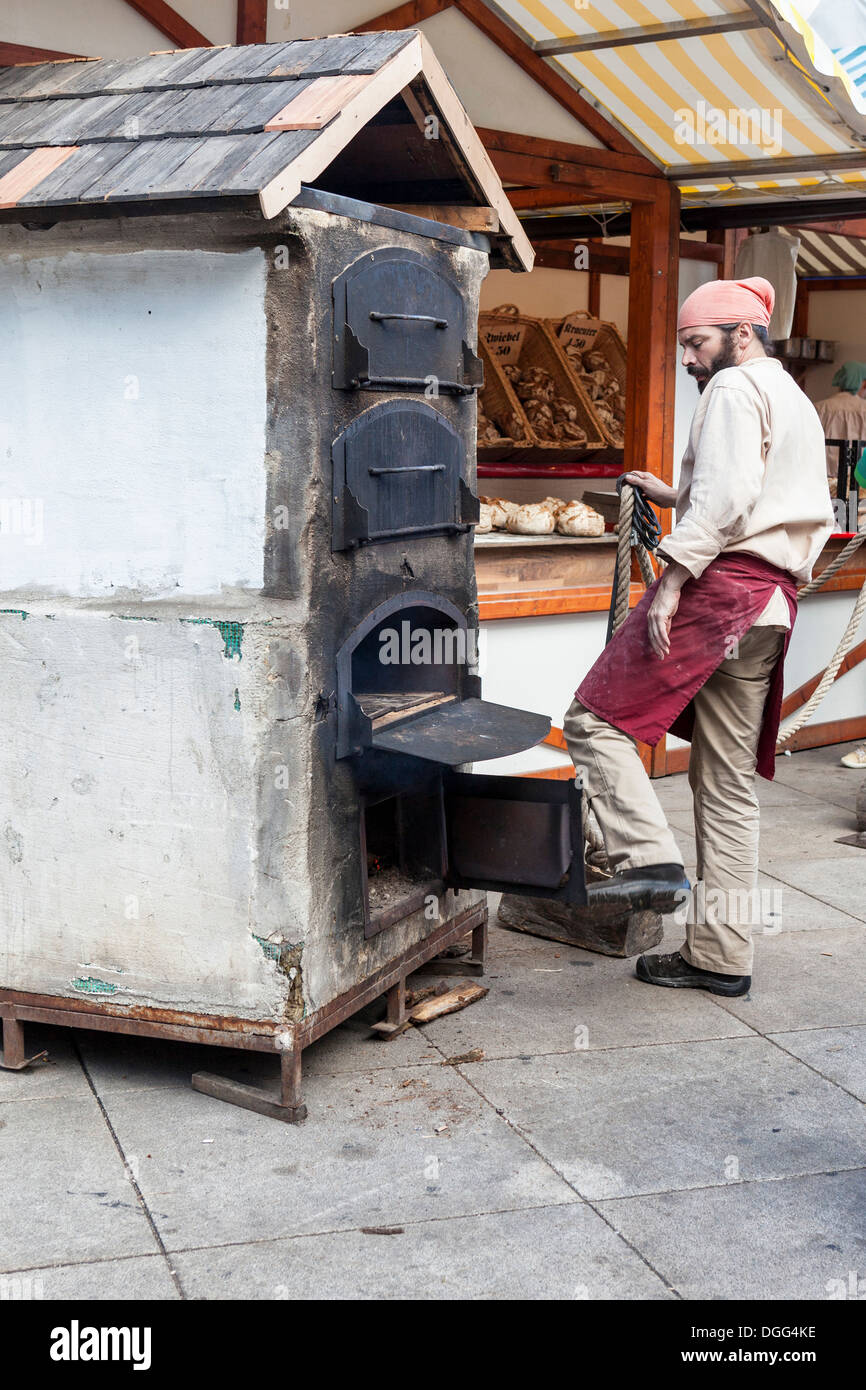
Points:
[(239, 672)]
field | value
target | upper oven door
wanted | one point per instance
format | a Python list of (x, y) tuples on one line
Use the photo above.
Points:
[(397, 473), (399, 324)]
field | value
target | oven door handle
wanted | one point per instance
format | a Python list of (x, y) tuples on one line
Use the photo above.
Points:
[(379, 317), (409, 468)]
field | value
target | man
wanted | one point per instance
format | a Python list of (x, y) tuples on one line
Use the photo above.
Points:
[(702, 654), (843, 416)]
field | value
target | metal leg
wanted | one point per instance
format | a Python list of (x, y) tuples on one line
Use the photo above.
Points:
[(14, 1056), (396, 1001), (395, 1020), (290, 1082), (473, 964), (288, 1108), (479, 945)]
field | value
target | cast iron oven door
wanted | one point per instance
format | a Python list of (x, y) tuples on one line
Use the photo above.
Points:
[(514, 834), (397, 473), (461, 830), (399, 324), (406, 684), (519, 835)]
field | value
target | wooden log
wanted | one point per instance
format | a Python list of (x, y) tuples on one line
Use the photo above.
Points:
[(617, 934), (448, 1003)]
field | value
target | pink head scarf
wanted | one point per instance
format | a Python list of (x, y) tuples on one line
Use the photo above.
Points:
[(728, 301)]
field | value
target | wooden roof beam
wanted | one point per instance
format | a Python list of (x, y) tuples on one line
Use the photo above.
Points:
[(20, 54), (252, 25), (563, 152), (170, 23), (565, 195), (574, 183), (762, 213), (404, 16), (650, 33)]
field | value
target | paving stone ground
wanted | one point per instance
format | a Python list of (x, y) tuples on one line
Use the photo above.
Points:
[(615, 1141)]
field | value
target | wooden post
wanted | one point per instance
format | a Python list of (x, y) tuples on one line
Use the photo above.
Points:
[(800, 326), (652, 344), (652, 355), (729, 238), (594, 300)]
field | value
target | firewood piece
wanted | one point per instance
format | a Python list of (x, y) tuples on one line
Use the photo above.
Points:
[(449, 1003), (611, 934), (415, 996), (476, 1054)]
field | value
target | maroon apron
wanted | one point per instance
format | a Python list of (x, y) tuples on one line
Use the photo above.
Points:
[(632, 689)]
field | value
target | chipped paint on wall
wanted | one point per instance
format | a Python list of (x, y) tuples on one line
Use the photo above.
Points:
[(232, 634), (88, 984), (287, 956)]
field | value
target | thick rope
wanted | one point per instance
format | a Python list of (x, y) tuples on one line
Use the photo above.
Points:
[(804, 715), (648, 574), (834, 566), (634, 522), (623, 556)]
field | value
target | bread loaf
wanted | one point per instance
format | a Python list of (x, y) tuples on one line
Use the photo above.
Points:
[(578, 519), (552, 417), (600, 381), (531, 519), (500, 510)]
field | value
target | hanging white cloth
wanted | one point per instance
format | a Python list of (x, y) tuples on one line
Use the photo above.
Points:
[(773, 255)]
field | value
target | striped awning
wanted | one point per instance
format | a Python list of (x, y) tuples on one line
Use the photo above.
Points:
[(834, 35), (829, 253), (714, 90)]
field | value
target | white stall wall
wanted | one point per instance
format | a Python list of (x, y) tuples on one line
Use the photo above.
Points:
[(841, 317), (132, 422), (536, 664)]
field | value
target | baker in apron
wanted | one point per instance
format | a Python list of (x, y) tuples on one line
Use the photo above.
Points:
[(702, 654)]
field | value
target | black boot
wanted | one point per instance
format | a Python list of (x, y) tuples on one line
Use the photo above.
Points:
[(655, 887), (676, 973)]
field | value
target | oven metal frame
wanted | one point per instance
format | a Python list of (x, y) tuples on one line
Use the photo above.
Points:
[(287, 1041)]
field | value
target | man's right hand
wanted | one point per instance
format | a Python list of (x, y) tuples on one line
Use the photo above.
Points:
[(653, 487)]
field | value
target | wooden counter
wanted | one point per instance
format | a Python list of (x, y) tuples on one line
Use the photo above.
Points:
[(524, 576)]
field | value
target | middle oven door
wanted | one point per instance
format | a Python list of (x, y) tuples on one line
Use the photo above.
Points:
[(398, 473)]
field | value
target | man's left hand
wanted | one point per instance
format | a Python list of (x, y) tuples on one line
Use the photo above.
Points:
[(663, 608)]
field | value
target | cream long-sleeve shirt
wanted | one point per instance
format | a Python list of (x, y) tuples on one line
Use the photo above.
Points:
[(753, 478)]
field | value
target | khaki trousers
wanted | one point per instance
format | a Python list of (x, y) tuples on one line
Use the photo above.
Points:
[(728, 712)]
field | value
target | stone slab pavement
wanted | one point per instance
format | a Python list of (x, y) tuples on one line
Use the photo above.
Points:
[(613, 1141)]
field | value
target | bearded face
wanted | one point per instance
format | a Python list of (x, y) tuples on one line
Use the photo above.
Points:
[(707, 351)]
